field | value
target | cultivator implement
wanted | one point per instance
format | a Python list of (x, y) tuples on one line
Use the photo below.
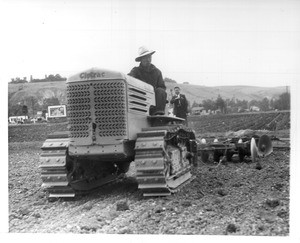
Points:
[(242, 146)]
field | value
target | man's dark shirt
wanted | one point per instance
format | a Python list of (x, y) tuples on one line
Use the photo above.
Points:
[(153, 76), (180, 106)]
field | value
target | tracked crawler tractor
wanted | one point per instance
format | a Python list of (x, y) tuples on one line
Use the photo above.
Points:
[(110, 124)]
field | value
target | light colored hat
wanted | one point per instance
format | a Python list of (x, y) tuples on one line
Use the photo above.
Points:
[(143, 51)]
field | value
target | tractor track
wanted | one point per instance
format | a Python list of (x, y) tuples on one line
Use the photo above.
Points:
[(151, 161)]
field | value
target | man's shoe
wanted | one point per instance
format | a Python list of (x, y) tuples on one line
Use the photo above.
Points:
[(159, 113)]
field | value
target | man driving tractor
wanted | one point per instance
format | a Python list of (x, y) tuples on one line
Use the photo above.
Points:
[(150, 74)]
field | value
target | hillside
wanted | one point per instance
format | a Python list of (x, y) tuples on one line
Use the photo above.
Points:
[(18, 92), (199, 92)]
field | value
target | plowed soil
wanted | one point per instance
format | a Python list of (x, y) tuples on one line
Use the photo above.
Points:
[(233, 198)]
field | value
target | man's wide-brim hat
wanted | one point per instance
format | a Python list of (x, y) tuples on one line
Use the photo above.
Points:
[(143, 51)]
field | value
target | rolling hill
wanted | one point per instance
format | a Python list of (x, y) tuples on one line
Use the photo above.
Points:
[(18, 92), (198, 93)]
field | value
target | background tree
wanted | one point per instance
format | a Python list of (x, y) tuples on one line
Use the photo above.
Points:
[(231, 106), (253, 103), (51, 77), (264, 104), (195, 104), (50, 102), (32, 103), (208, 104), (242, 104), (284, 102), (18, 80), (15, 110), (220, 104), (24, 110), (272, 104)]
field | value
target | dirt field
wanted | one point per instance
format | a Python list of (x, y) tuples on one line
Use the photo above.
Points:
[(233, 198)]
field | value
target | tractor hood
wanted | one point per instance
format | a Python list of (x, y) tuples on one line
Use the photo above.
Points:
[(95, 74)]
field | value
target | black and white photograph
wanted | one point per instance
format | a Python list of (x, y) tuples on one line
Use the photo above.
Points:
[(150, 120)]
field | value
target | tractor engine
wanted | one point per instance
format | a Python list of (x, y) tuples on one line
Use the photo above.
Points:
[(105, 112)]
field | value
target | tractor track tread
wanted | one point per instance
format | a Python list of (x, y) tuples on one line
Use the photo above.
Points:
[(150, 162), (52, 172)]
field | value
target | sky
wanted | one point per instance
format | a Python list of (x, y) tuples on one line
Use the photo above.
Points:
[(203, 42)]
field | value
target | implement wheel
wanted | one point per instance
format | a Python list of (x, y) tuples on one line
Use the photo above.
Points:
[(241, 154), (204, 156), (217, 155), (229, 155)]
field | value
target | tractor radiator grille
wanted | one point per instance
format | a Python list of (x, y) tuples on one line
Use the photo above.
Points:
[(110, 107), (79, 109), (100, 102)]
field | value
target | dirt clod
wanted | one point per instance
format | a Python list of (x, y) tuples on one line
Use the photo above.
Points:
[(186, 203), (87, 207), (231, 228), (258, 166), (88, 228), (125, 230), (24, 211), (37, 215), (158, 210), (261, 227), (282, 214), (272, 202), (122, 206), (221, 192), (278, 186)]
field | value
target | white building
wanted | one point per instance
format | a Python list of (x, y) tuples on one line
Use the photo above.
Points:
[(196, 111), (17, 119), (254, 108)]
